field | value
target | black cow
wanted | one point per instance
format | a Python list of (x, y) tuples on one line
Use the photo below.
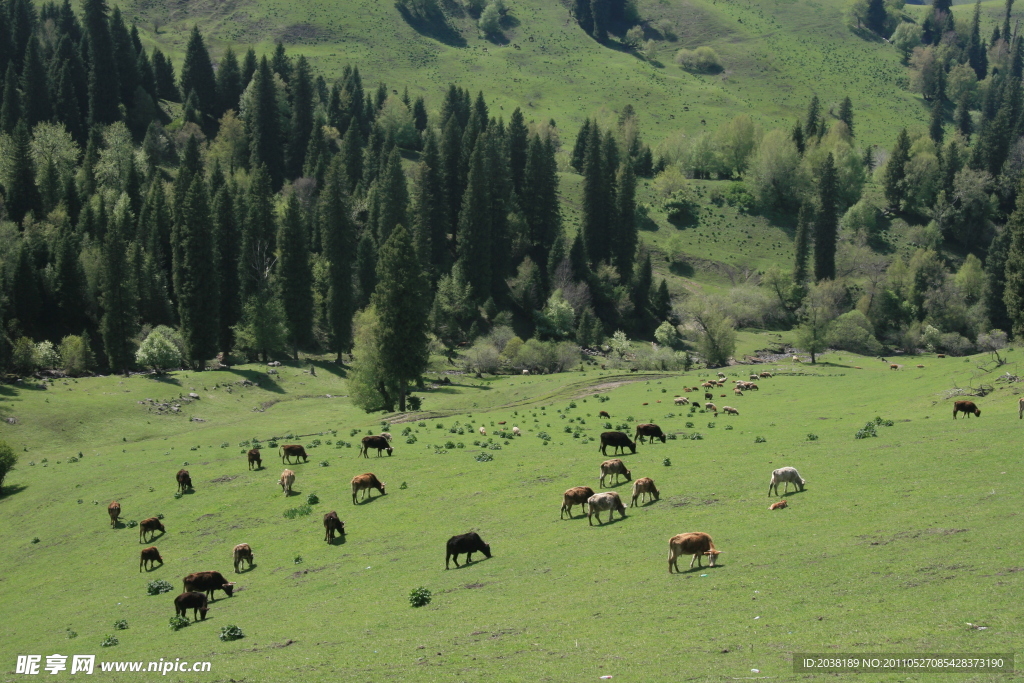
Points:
[(191, 600), (465, 543), (184, 481), (619, 440), (208, 582), (331, 525), (652, 431), (378, 442)]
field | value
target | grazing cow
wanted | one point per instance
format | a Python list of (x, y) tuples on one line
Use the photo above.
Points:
[(721, 374), (184, 481), (386, 435), (615, 467), (708, 396), (681, 401), (642, 488), (751, 387), (778, 506), (114, 510), (526, 372), (618, 440), (194, 601), (695, 543), (608, 500), (483, 431), (737, 392), (787, 475), (208, 582), (286, 481), (242, 551), (708, 385), (515, 431), (765, 375), (465, 543), (967, 408), (151, 525), (650, 430), (577, 495), (365, 482), (332, 525), (729, 410), (1020, 408), (894, 366), (148, 556), (796, 359), (378, 442), (254, 458), (604, 413), (290, 451)]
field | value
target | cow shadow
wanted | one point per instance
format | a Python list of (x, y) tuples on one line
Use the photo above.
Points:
[(152, 568), (293, 492), (368, 500), (606, 523), (468, 563), (119, 525), (705, 568), (243, 569), (792, 492), (153, 538), (337, 540), (187, 492)]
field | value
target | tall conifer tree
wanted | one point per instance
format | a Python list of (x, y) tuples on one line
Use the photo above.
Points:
[(826, 226), (195, 277), (295, 276), (338, 238)]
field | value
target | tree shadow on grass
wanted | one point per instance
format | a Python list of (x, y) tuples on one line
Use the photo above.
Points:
[(11, 489), (330, 368), (164, 378), (258, 378), (435, 26)]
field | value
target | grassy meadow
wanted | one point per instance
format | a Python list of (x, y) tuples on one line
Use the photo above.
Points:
[(897, 543)]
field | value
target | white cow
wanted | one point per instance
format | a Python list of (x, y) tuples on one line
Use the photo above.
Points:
[(599, 502), (787, 475)]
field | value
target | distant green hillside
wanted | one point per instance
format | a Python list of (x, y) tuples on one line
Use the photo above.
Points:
[(775, 54)]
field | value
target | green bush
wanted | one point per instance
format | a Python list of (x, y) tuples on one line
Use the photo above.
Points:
[(812, 437), (866, 431), (312, 499), (419, 597), (121, 624), (110, 641), (760, 439), (8, 459), (702, 60), (158, 586), (178, 622), (231, 632), (76, 356)]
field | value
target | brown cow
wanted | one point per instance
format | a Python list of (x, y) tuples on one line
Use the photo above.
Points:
[(208, 582), (149, 556), (604, 413), (332, 525), (365, 482), (184, 481), (615, 467), (577, 495), (242, 551), (642, 487), (894, 366), (696, 543), (650, 430), (618, 440), (286, 481), (254, 458), (194, 601), (290, 451), (967, 408), (114, 510), (378, 442), (708, 396), (152, 525)]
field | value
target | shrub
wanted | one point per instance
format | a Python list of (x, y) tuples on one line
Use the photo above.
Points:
[(404, 486), (161, 350), (696, 436), (634, 37), (131, 523), (812, 437), (312, 499), (702, 60), (121, 624), (419, 597), (760, 439), (484, 457), (297, 560), (853, 332), (300, 511), (110, 641), (72, 634), (231, 632), (8, 459), (158, 586), (324, 463), (46, 356), (35, 539), (667, 462), (866, 431), (178, 622), (23, 356)]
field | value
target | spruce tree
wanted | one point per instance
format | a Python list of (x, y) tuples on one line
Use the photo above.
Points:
[(1013, 292), (124, 57), (195, 277), (419, 114), (962, 118), (846, 113), (104, 86), (229, 83), (68, 284), (249, 66), (802, 245), (814, 122), (798, 138), (474, 238), (226, 236), (24, 291), (391, 196), (540, 205), (935, 130), (517, 147), (895, 174), (625, 237), (366, 268), (338, 238), (429, 212), (595, 216), (976, 54), (402, 307), (583, 14), (301, 127), (451, 161), (65, 104), (351, 156), (264, 125), (295, 276), (197, 76), (118, 299), (163, 71), (876, 16), (10, 110), (22, 194), (826, 226), (600, 12), (155, 226), (995, 277), (259, 234), (579, 151), (640, 292), (35, 104), (281, 64), (661, 302)]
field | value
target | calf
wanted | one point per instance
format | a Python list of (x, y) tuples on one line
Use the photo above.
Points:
[(332, 525), (286, 481), (967, 408), (151, 525), (114, 510), (729, 410), (290, 451), (787, 475), (184, 481), (194, 601), (577, 495), (604, 413), (254, 459), (242, 551), (643, 487), (378, 442), (365, 482), (695, 543), (778, 506), (386, 435), (737, 392), (465, 543), (681, 401), (148, 556), (650, 430), (608, 500), (708, 396), (208, 582), (618, 440), (615, 467)]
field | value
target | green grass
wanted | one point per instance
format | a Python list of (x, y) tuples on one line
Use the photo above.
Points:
[(896, 544)]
